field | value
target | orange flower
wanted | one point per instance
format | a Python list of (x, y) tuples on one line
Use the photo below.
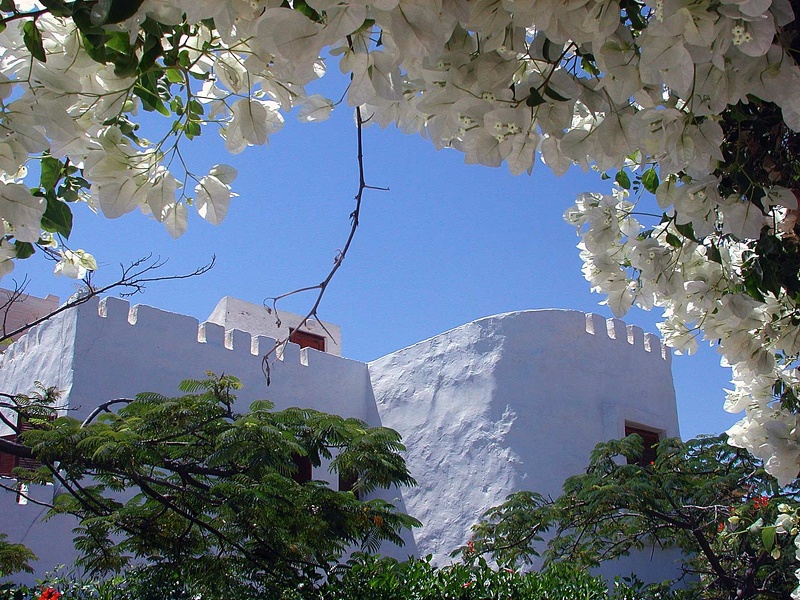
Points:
[(760, 502), (49, 593)]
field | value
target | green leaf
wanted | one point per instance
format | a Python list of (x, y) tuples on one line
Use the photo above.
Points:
[(535, 98), (174, 76), (195, 107), (32, 38), (650, 180), (152, 51), (546, 49), (125, 65), (121, 10), (302, 7), (119, 42), (674, 241), (768, 537), (24, 249), (623, 180), (51, 172), (589, 67), (94, 47), (146, 90), (686, 230), (192, 129), (713, 254), (548, 91), (57, 217), (9, 6)]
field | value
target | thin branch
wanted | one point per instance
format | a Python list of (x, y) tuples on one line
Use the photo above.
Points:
[(104, 407), (16, 490), (272, 303), (15, 448), (134, 277)]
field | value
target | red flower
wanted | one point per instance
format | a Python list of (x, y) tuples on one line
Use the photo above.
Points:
[(49, 593), (760, 502), (466, 585), (720, 527)]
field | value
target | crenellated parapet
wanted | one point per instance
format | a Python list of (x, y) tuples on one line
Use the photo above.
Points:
[(617, 331), (146, 321), (503, 403)]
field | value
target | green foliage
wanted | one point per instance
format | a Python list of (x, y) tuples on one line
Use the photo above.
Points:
[(704, 497), (367, 577), (371, 578), (14, 557), (204, 492)]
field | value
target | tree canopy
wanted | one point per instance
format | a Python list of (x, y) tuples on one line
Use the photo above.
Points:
[(696, 103), (733, 523), (194, 487)]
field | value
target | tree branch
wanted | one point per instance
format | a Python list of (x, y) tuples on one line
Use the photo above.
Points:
[(133, 277), (272, 303)]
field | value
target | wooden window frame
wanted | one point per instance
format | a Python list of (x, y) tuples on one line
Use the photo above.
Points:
[(304, 471), (306, 339), (650, 437)]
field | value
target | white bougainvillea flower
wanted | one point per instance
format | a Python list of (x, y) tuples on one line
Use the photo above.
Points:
[(175, 218), (213, 198), (21, 210), (75, 264)]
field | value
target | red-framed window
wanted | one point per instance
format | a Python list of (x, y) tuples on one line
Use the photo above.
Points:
[(303, 466), (8, 462), (346, 484), (650, 439), (304, 339)]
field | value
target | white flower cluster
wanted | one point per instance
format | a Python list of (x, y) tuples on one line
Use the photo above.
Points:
[(500, 80)]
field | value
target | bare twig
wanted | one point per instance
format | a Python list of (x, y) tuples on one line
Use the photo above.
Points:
[(272, 303), (15, 489), (133, 278)]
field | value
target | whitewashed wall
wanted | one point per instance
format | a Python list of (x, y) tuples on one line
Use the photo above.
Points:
[(509, 402), (233, 313), (107, 349), (515, 402)]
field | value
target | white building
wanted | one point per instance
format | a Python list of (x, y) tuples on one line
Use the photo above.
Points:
[(509, 402)]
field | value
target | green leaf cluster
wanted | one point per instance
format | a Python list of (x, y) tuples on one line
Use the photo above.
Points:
[(683, 500), (190, 485)]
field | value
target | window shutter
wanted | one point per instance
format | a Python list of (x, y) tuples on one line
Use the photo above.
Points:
[(7, 461), (304, 339), (650, 439)]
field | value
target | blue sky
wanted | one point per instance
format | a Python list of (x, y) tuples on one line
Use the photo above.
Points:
[(447, 244)]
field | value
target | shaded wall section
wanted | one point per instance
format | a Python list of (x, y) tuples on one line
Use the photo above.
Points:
[(515, 402)]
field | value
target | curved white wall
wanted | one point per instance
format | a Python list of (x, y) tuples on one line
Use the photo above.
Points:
[(510, 402), (514, 402)]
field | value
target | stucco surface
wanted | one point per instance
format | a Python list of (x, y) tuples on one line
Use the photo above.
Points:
[(511, 402), (108, 349), (233, 313)]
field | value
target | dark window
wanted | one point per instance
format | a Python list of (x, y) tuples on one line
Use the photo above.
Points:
[(650, 439), (346, 484), (303, 466), (305, 339), (8, 462)]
